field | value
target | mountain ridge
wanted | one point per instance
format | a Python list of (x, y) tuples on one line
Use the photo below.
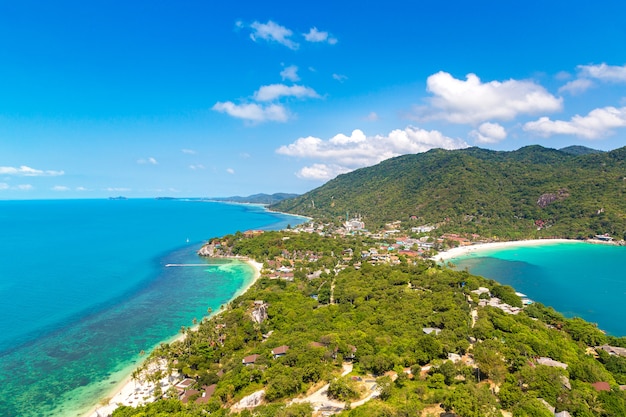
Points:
[(493, 193)]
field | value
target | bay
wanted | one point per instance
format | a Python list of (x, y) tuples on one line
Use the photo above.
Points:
[(575, 278), (84, 289)]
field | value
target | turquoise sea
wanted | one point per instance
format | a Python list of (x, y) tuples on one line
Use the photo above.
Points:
[(84, 288), (578, 279)]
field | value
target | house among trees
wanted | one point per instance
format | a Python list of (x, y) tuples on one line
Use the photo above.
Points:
[(250, 360), (550, 362), (280, 351), (601, 386), (199, 397), (353, 225), (613, 350), (431, 330), (252, 233)]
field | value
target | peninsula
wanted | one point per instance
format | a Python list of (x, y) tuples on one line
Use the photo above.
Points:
[(344, 322)]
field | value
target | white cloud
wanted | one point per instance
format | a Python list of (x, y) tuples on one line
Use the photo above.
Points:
[(290, 73), (189, 151), (339, 77), (230, 171), (315, 35), (343, 153), (372, 117), (149, 160), (597, 124), (276, 91), (81, 189), (273, 32), (588, 73), (60, 188), (576, 86), (604, 72), (26, 171), (488, 133), (196, 167), (253, 112), (471, 101), (21, 187), (321, 172)]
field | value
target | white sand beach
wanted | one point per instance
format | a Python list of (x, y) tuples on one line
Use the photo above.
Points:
[(465, 250), (135, 392)]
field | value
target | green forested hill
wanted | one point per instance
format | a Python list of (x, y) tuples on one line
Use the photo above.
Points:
[(506, 194)]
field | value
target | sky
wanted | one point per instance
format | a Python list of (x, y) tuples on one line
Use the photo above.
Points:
[(214, 99)]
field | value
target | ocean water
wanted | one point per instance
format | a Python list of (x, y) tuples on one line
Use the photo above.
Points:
[(84, 288), (577, 279)]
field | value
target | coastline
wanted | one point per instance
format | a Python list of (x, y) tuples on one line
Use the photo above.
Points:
[(125, 392), (481, 247)]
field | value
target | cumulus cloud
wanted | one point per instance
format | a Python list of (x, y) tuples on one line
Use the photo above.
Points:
[(471, 101), (25, 187), (576, 86), (253, 112), (343, 153), (603, 72), (597, 124), (196, 167), (275, 91), (273, 32), (26, 171), (315, 35), (321, 172), (149, 160), (588, 73), (115, 189), (488, 133), (60, 188), (339, 77), (290, 73), (189, 151), (230, 171), (259, 112)]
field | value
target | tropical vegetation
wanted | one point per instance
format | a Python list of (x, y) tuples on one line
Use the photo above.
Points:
[(418, 337), (533, 192)]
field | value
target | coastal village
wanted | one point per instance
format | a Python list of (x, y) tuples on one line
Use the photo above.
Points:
[(395, 245)]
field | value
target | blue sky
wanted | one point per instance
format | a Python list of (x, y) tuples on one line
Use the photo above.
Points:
[(199, 99)]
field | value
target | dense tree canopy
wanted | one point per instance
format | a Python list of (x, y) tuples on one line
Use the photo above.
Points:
[(403, 320)]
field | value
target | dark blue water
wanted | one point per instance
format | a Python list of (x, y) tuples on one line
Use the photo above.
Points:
[(84, 289), (577, 279)]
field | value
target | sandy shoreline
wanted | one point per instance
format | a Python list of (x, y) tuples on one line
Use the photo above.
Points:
[(466, 250), (132, 392)]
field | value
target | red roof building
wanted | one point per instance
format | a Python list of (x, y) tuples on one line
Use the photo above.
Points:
[(280, 351), (601, 386), (249, 360)]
